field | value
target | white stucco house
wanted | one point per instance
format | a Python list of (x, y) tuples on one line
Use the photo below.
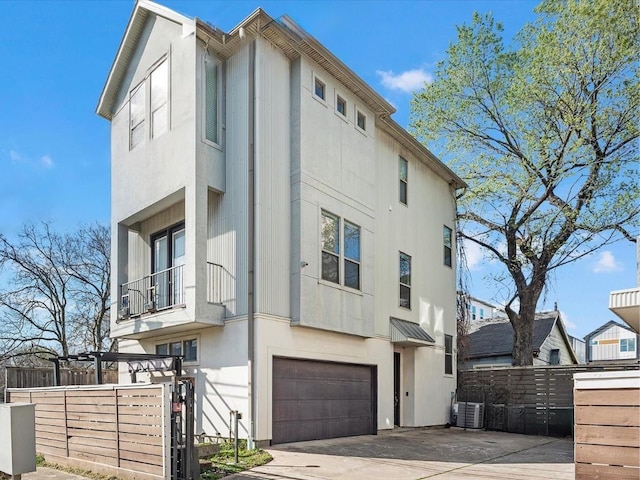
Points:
[(275, 226)]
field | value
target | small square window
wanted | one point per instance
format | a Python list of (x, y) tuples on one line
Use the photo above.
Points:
[(554, 357), (319, 88), (361, 120), (341, 106)]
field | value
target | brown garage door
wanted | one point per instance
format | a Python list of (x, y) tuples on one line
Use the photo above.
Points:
[(313, 400)]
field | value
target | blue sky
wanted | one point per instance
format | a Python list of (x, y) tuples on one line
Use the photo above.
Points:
[(54, 149)]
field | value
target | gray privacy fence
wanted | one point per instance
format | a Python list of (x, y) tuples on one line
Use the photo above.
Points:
[(530, 400)]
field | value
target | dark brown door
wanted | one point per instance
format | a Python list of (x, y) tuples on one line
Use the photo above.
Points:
[(396, 388), (314, 400)]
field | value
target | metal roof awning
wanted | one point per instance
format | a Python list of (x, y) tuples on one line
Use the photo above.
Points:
[(409, 334)]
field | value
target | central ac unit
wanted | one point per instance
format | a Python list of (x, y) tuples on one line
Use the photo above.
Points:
[(470, 414)]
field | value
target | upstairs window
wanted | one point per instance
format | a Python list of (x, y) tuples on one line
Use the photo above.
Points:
[(137, 115), (448, 244), (319, 88), (340, 253), (405, 280), (554, 357), (211, 108), (627, 344), (188, 348), (448, 355), (361, 120), (159, 100), (341, 106), (404, 180), (330, 247)]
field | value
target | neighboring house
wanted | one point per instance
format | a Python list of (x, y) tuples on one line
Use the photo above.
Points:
[(613, 341), (626, 303), (490, 342), (479, 309), (275, 226), (579, 347)]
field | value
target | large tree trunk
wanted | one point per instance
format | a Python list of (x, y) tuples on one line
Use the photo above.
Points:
[(522, 323)]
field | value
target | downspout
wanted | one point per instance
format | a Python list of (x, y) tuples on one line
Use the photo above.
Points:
[(251, 243)]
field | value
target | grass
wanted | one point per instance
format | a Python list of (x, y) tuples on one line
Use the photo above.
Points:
[(223, 463)]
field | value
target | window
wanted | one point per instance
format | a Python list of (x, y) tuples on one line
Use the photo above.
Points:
[(150, 101), (481, 313), (351, 255), (319, 88), (554, 357), (136, 115), (627, 344), (361, 120), (404, 180), (334, 250), (330, 247), (211, 110), (341, 106), (188, 348), (159, 97), (473, 312), (448, 243), (405, 280), (448, 355), (167, 260)]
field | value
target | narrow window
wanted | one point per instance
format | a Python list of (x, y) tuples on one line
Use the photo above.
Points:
[(351, 255), (481, 313), (473, 312), (175, 348), (330, 247), (136, 115), (341, 105), (319, 88), (162, 349), (554, 357), (159, 99), (405, 280), (448, 242), (404, 180), (211, 100), (448, 355), (361, 120)]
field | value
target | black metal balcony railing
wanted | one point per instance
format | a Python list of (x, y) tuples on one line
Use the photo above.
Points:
[(157, 291), (165, 289)]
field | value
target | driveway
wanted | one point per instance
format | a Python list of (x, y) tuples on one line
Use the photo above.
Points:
[(412, 454)]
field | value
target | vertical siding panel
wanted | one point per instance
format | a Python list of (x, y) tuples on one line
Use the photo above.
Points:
[(273, 182)]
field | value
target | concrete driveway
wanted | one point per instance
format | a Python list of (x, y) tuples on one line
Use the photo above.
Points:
[(412, 454)]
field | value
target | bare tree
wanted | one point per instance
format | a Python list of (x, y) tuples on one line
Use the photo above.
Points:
[(56, 288)]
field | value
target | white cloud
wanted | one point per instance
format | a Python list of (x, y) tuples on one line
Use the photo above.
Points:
[(607, 263), (408, 81), (46, 161), (15, 156), (570, 326), (474, 255)]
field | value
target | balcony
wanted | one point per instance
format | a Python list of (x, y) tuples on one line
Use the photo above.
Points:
[(162, 301), (626, 305)]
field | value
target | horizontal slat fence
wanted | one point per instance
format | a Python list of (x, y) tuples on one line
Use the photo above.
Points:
[(532, 400), (607, 426), (113, 429), (32, 377)]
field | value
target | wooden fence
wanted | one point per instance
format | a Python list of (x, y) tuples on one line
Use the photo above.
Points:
[(119, 430), (535, 400), (32, 377), (607, 435)]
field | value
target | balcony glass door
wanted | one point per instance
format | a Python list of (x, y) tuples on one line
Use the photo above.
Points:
[(167, 284)]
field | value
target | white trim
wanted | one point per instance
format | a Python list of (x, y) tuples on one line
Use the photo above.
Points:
[(606, 380)]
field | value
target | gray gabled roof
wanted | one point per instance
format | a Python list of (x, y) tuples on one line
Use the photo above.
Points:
[(496, 338), (607, 326)]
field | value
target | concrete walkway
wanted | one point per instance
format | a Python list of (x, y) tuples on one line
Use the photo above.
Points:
[(412, 454)]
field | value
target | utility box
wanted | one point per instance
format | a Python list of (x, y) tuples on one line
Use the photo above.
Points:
[(18, 438)]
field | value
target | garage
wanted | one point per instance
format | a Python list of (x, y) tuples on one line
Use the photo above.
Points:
[(314, 400)]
